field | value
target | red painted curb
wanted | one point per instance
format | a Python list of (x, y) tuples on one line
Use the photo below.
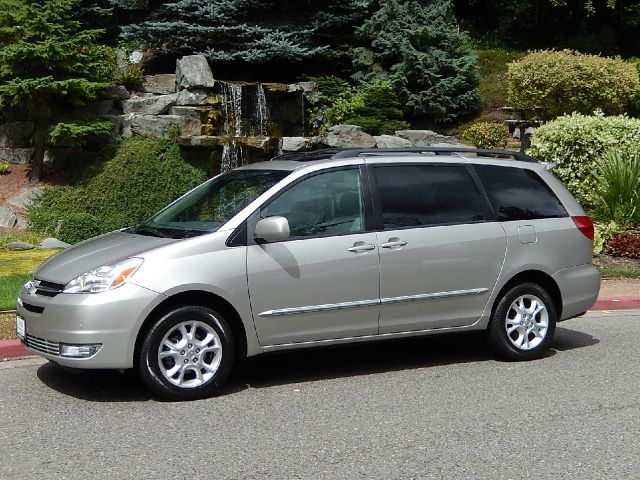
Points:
[(12, 349)]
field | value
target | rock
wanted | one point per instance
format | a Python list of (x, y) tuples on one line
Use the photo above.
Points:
[(126, 125), (117, 122), (16, 155), (390, 141), (149, 104), (159, 84), (159, 125), (118, 92), (425, 138), (15, 134), (21, 223), (51, 242), (196, 113), (8, 217), (349, 136), (193, 71), (449, 145), (25, 198), (192, 97), (56, 157), (17, 246), (136, 56), (297, 144), (96, 109)]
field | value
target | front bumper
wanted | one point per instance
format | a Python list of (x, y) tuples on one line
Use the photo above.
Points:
[(111, 319), (579, 288)]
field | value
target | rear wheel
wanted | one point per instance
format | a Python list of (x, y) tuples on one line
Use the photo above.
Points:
[(187, 354), (523, 323)]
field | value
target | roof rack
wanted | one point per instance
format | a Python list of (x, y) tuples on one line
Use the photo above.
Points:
[(334, 153)]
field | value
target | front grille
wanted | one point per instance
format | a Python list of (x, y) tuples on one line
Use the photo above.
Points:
[(42, 345), (32, 308), (48, 289)]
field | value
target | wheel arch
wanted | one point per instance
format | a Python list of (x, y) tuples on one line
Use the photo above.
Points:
[(538, 277), (200, 298)]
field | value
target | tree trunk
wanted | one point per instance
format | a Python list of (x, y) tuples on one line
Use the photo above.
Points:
[(38, 154)]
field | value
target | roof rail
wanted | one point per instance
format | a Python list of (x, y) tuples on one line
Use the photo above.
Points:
[(354, 152)]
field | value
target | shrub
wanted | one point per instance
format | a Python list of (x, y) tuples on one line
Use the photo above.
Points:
[(576, 142), (617, 178), (5, 168), (626, 244), (490, 135), (547, 84), (142, 177), (76, 227), (492, 66), (602, 233), (130, 76)]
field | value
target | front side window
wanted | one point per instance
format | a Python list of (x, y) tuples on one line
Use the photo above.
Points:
[(330, 203), (426, 195), (211, 205)]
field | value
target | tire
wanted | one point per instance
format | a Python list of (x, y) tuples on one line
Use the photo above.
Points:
[(187, 354), (523, 323)]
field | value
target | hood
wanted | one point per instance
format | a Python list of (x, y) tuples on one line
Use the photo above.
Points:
[(73, 261)]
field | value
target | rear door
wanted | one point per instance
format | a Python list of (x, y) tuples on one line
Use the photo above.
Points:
[(439, 257)]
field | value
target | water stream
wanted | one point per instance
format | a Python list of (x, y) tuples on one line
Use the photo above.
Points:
[(231, 153), (261, 112)]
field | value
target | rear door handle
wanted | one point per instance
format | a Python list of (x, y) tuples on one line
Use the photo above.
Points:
[(361, 247), (393, 242)]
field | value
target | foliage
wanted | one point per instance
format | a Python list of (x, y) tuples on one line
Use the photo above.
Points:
[(492, 67), (143, 176), (602, 233), (576, 142), (418, 48), (489, 135), (48, 65), (617, 180), (5, 167), (130, 76), (547, 84), (76, 134), (75, 227), (625, 244), (9, 236)]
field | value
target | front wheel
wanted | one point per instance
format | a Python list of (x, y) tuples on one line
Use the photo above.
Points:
[(187, 354), (523, 323)]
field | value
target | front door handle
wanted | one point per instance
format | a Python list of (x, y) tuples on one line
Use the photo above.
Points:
[(393, 242), (361, 247)]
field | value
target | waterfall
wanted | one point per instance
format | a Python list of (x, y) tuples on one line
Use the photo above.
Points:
[(232, 97), (231, 156), (261, 112)]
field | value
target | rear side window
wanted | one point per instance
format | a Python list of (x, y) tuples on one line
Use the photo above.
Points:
[(426, 195), (519, 194)]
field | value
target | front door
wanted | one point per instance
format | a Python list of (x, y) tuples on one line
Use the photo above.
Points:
[(322, 283), (439, 259)]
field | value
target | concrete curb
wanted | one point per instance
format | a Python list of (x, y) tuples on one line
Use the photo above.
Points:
[(10, 349)]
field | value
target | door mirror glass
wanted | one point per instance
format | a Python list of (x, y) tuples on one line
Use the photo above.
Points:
[(272, 229)]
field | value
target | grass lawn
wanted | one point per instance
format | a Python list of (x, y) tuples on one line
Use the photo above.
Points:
[(620, 272), (15, 269)]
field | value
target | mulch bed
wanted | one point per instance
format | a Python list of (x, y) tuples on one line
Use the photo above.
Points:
[(619, 263)]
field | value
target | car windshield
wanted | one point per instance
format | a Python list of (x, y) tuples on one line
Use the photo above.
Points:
[(212, 204)]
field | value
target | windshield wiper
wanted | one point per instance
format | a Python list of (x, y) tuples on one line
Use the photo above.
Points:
[(146, 230)]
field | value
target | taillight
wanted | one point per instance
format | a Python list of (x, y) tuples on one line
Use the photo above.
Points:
[(585, 225)]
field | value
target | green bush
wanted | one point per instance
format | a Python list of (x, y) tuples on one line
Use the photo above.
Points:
[(617, 180), (490, 135), (602, 233), (547, 84), (626, 244), (143, 176), (130, 76), (75, 227), (5, 168), (492, 67), (576, 142)]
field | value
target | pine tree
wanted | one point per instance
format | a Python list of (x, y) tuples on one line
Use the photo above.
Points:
[(48, 66), (416, 45)]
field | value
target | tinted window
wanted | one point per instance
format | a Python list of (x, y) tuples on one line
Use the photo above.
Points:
[(420, 195), (326, 204), (519, 194)]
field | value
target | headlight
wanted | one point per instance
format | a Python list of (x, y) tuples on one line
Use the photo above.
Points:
[(104, 278)]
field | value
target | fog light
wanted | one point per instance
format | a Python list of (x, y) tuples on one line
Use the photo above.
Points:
[(79, 351)]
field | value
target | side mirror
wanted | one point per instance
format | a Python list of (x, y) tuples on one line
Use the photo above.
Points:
[(272, 229)]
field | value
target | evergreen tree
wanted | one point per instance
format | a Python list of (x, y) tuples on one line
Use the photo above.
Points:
[(256, 31), (48, 66), (416, 45)]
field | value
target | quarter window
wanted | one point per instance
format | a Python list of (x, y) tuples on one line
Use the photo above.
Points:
[(427, 195), (519, 194), (330, 203)]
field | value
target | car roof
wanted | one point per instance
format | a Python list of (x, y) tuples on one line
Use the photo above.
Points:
[(326, 157)]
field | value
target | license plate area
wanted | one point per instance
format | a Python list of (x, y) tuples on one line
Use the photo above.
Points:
[(21, 328)]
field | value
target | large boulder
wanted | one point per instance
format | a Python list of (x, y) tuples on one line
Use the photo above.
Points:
[(25, 198), (149, 104), (16, 155), (162, 84), (118, 91), (15, 134), (349, 136), (197, 113), (192, 98), (297, 144), (18, 246), (193, 71), (425, 138), (51, 242), (159, 125), (390, 141), (8, 217)]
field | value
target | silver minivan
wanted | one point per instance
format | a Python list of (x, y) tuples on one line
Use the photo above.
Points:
[(314, 249)]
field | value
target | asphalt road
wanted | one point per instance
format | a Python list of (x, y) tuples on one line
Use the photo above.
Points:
[(432, 408)]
